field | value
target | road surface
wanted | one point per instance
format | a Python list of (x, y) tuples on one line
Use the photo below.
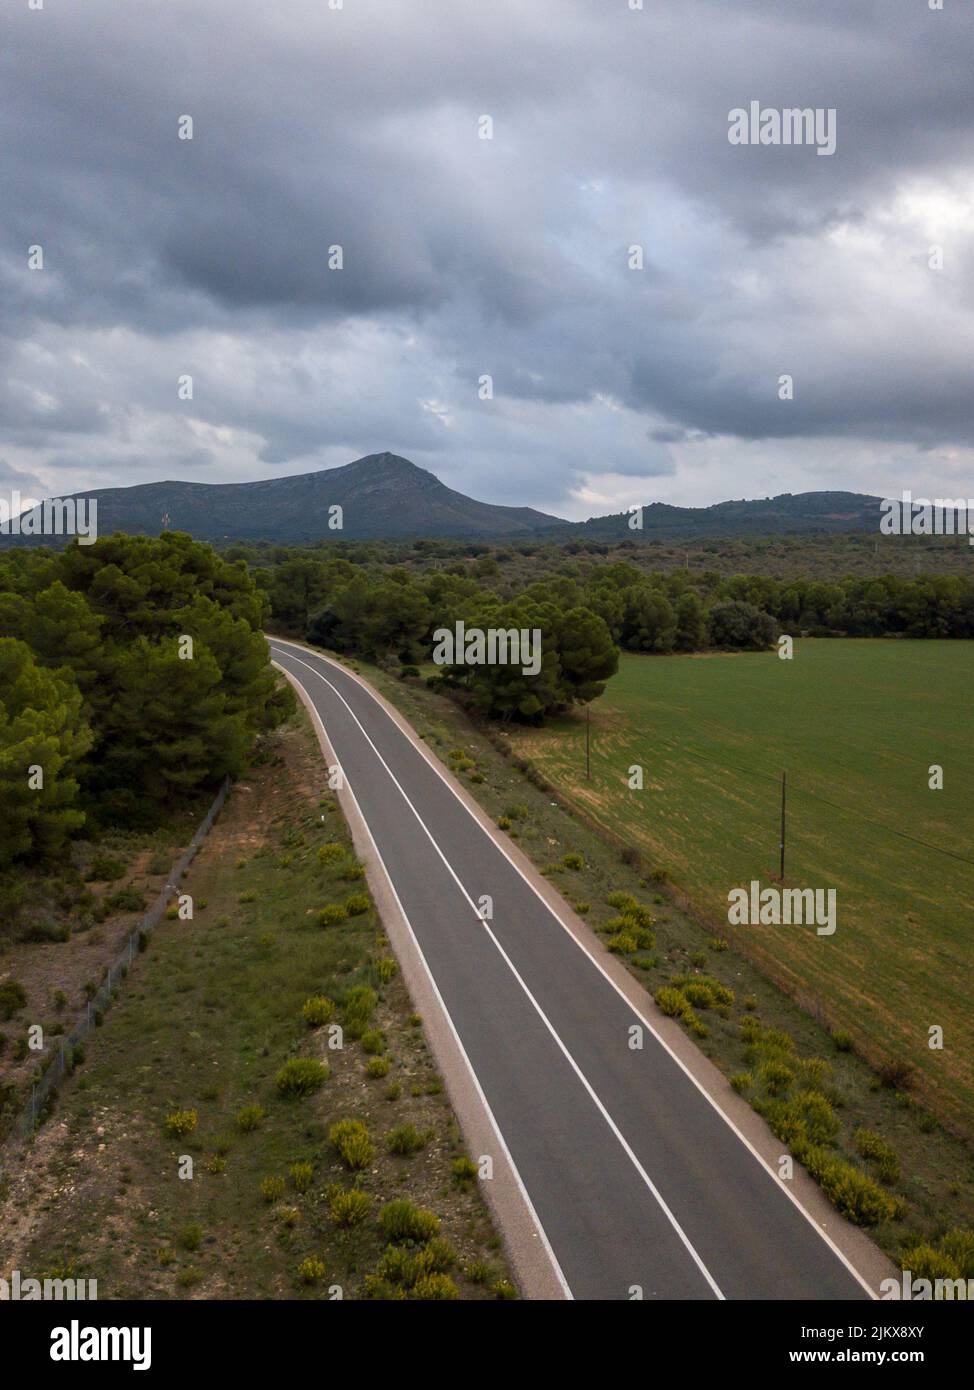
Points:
[(641, 1186)]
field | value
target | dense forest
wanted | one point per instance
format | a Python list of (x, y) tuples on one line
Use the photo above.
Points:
[(133, 673)]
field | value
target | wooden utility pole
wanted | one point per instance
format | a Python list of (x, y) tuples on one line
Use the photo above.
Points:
[(782, 843)]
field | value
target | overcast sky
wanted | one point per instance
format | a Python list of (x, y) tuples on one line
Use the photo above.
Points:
[(509, 256)]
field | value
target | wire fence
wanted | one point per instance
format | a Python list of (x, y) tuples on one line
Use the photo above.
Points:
[(62, 1062)]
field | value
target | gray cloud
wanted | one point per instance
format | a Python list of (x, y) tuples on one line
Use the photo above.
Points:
[(508, 257)]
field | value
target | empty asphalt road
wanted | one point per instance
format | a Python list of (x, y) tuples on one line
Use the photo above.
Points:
[(636, 1178)]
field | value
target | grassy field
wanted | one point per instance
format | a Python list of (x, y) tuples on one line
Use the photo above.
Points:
[(202, 1028), (856, 725)]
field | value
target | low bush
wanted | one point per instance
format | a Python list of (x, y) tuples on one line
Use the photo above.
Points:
[(401, 1220), (357, 904), (181, 1122), (272, 1190), (301, 1076), (350, 1140), (249, 1118), (406, 1140), (318, 1010), (332, 914), (348, 1206)]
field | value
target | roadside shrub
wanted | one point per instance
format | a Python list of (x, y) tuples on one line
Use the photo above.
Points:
[(357, 1008), (857, 1196), (622, 902), (301, 1076), (478, 1271), (573, 861), (348, 1206), (301, 1175), (622, 943), (465, 1170), (842, 1042), (874, 1147), (776, 1077), (332, 914), (352, 873), (672, 1001), (517, 812), (311, 1270), (958, 1245), (191, 1236), (373, 1041), (332, 853), (503, 823), (742, 1081), (386, 968), (272, 1189), (406, 1140), (504, 1290), (438, 1287), (699, 995), (249, 1118), (377, 1067), (12, 998), (401, 1220), (318, 1010), (105, 868), (181, 1122), (126, 900), (357, 904), (718, 943), (350, 1140)]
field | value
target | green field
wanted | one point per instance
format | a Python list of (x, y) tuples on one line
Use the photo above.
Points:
[(856, 725)]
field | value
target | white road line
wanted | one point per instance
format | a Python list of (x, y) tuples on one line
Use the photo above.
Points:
[(779, 1186), (502, 1143), (627, 1148)]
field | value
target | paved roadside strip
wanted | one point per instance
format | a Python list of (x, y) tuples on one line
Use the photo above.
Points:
[(618, 1172)]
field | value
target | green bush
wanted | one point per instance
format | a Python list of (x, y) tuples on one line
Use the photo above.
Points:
[(128, 899), (400, 1220), (958, 1245), (573, 861), (105, 868), (311, 1270), (12, 998), (350, 1140), (249, 1118), (842, 1042), (439, 1287), (386, 968), (874, 1147), (331, 915), (272, 1189), (503, 823), (373, 1041), (622, 902), (742, 1081), (357, 1008), (318, 1010), (406, 1139), (331, 853), (349, 1206), (776, 1077), (465, 1170), (181, 1122), (301, 1175), (857, 1196), (301, 1076), (377, 1067), (357, 904), (191, 1236), (672, 1001)]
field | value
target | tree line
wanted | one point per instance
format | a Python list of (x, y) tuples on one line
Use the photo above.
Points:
[(133, 672)]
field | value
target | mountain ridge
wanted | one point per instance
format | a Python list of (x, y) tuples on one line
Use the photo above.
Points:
[(387, 497)]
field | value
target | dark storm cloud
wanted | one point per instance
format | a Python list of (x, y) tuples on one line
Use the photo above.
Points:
[(465, 257)]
